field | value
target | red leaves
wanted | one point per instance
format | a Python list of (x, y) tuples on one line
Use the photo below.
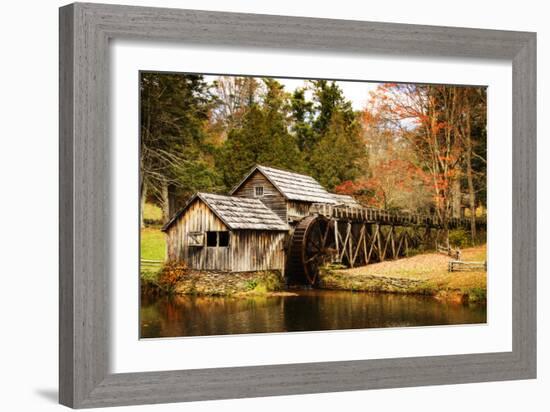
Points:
[(389, 178), (347, 188)]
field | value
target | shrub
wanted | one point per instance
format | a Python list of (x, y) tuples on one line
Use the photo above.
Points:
[(477, 295), (251, 284), (264, 282), (460, 238), (170, 274)]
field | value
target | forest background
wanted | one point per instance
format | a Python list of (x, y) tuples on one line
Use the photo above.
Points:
[(413, 148)]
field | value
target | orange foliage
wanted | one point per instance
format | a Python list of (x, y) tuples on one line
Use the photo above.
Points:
[(388, 178), (170, 274), (428, 117)]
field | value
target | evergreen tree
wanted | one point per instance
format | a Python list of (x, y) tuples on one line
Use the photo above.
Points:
[(340, 154), (328, 99), (173, 161), (263, 138), (284, 150), (243, 148), (302, 115)]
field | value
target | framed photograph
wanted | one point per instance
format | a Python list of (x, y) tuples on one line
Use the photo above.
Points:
[(257, 205)]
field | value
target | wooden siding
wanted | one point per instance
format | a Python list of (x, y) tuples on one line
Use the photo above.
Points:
[(297, 210), (248, 250), (272, 198), (257, 250), (197, 218)]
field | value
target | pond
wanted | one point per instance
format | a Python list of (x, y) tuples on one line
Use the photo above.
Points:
[(308, 310)]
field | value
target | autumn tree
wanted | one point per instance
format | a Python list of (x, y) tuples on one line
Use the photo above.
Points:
[(393, 184), (392, 180), (233, 96), (427, 116)]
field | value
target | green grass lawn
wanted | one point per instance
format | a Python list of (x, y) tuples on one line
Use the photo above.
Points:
[(152, 212), (153, 247), (153, 244)]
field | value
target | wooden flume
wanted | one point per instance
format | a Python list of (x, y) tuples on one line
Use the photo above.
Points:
[(357, 236)]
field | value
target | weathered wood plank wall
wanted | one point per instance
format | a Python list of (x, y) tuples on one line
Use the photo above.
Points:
[(198, 218), (248, 250), (258, 250), (297, 210), (272, 198)]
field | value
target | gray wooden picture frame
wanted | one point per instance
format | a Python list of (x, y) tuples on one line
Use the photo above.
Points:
[(85, 31)]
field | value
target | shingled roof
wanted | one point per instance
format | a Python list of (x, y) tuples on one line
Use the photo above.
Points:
[(236, 212), (345, 200), (293, 186)]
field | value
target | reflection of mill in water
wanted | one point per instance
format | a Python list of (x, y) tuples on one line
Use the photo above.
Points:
[(278, 220), (302, 310)]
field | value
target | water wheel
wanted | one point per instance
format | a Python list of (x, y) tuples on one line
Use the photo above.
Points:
[(311, 245)]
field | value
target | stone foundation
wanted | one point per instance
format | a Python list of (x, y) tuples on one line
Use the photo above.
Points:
[(340, 281), (228, 283)]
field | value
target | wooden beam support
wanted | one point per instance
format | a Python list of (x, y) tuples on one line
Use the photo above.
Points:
[(380, 244), (336, 238), (392, 233), (365, 243), (358, 247), (351, 247), (373, 241)]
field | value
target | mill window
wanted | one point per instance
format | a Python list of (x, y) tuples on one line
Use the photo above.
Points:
[(223, 239), (258, 191), (217, 239), (211, 239)]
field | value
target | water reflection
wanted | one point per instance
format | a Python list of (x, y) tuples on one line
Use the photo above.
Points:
[(308, 311)]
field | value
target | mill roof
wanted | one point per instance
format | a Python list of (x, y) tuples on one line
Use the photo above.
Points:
[(236, 212), (345, 200), (293, 186)]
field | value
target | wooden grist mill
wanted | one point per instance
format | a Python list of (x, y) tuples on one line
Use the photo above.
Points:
[(279, 220)]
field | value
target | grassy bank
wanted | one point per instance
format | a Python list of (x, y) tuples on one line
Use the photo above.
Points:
[(207, 283), (152, 247), (178, 280), (422, 274), (153, 244)]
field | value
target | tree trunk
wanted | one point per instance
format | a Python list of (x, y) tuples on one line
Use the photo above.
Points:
[(456, 198), (167, 200), (471, 194), (142, 198), (164, 201), (469, 175), (445, 225), (172, 203)]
